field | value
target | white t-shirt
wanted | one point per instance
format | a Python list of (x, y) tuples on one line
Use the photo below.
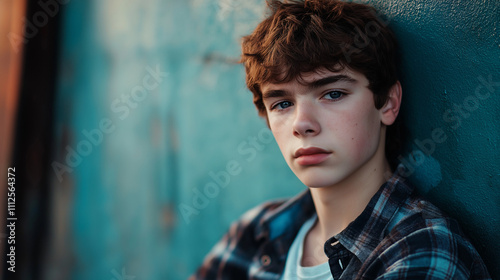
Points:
[(293, 269)]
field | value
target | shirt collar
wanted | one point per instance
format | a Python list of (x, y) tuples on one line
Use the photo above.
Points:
[(288, 217)]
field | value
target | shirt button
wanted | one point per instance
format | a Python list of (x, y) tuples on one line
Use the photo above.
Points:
[(265, 260)]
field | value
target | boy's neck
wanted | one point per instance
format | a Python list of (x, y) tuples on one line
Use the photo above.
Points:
[(337, 206)]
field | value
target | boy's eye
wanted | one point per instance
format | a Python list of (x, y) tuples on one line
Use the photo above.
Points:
[(334, 95), (282, 105)]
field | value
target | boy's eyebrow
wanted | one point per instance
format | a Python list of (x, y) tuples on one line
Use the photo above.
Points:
[(314, 84), (330, 80), (274, 93)]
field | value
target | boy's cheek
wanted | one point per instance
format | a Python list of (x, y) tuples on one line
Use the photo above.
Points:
[(362, 142)]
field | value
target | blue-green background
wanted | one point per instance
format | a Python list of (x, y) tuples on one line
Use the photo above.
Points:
[(118, 212)]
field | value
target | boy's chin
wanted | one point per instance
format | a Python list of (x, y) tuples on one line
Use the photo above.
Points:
[(325, 176), (318, 182)]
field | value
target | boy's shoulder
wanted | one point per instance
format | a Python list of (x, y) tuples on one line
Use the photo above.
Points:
[(419, 234), (416, 212), (417, 216)]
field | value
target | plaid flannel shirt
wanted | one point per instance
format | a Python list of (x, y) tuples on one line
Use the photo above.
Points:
[(398, 236)]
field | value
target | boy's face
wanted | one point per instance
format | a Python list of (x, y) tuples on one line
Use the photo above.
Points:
[(327, 126)]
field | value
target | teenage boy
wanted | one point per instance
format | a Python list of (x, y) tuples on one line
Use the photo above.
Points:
[(323, 74)]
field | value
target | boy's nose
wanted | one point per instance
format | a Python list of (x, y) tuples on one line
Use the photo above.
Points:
[(305, 121)]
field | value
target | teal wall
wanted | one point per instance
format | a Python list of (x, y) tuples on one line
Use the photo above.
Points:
[(158, 145)]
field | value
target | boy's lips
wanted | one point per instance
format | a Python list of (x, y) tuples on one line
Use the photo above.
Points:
[(311, 156)]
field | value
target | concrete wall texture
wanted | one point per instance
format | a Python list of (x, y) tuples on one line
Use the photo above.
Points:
[(162, 148)]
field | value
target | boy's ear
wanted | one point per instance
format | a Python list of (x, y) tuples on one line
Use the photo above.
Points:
[(390, 110)]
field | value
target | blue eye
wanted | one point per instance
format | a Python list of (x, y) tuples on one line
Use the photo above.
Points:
[(334, 95), (282, 105)]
